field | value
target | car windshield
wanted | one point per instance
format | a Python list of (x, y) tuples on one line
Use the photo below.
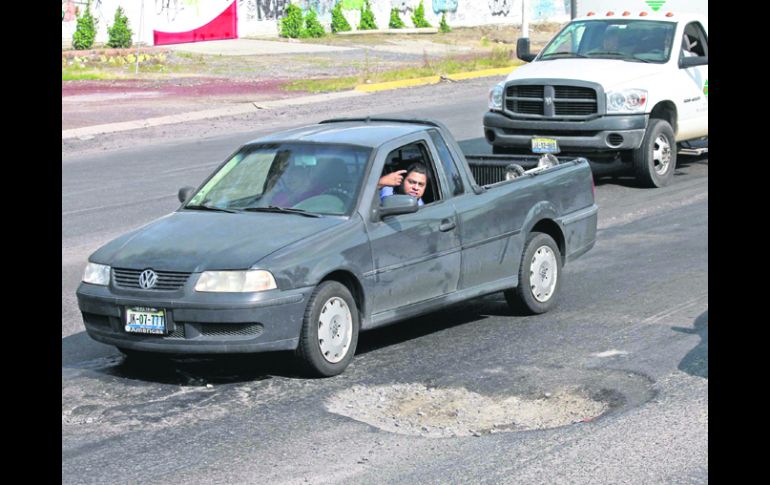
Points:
[(309, 178), (627, 40)]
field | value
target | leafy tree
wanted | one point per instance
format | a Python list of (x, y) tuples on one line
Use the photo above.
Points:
[(120, 32), (339, 22), (85, 32), (443, 26), (291, 25), (367, 17), (313, 27), (395, 20), (419, 17)]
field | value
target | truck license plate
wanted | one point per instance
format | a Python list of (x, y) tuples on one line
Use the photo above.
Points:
[(145, 320), (545, 145)]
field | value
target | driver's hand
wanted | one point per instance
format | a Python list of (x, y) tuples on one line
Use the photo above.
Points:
[(393, 179)]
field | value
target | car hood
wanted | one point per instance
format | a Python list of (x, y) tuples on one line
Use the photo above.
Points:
[(190, 241), (607, 72)]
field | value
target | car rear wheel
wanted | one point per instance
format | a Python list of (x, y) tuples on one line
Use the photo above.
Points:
[(539, 276), (329, 330), (655, 160)]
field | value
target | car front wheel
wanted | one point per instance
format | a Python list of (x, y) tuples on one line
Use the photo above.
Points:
[(329, 330)]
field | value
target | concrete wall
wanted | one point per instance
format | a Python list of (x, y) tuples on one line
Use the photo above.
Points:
[(260, 17)]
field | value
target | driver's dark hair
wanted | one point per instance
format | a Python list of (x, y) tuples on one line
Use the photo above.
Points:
[(418, 167)]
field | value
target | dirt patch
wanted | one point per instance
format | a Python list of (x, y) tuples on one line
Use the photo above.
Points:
[(414, 409)]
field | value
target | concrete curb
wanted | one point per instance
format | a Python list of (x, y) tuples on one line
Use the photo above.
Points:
[(88, 132), (420, 30)]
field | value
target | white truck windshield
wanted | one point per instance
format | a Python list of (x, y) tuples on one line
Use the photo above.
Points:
[(628, 40)]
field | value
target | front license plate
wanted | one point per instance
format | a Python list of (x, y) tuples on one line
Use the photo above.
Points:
[(145, 320), (545, 145)]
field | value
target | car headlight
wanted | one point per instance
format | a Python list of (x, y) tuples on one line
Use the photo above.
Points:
[(496, 96), (626, 101), (97, 274), (236, 281)]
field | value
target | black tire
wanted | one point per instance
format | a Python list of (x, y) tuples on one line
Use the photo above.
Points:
[(325, 358), (529, 296), (654, 161)]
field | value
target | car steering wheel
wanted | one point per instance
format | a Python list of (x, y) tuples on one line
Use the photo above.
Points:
[(342, 194)]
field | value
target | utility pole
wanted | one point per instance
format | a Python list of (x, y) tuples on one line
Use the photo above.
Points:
[(572, 9), (525, 18), (139, 38)]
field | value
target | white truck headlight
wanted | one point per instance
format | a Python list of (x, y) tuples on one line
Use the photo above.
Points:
[(97, 274), (627, 101), (236, 281), (496, 97)]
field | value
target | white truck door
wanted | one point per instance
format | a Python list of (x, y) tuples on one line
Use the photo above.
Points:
[(693, 85)]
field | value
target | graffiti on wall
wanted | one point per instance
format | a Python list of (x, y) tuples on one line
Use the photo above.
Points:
[(404, 7), (543, 9), (442, 6), (500, 7), (322, 8), (69, 11), (247, 9), (271, 9), (169, 8)]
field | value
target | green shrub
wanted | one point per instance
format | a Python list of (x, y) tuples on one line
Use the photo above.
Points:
[(120, 32), (367, 17), (395, 20), (339, 22), (443, 26), (313, 27), (419, 17), (85, 32), (291, 25)]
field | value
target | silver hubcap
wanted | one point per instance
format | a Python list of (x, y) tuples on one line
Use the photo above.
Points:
[(661, 155), (335, 329), (543, 274)]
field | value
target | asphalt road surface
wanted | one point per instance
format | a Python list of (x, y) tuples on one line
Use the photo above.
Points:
[(630, 334)]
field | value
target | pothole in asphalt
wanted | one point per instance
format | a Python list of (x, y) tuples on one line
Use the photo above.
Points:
[(474, 401), (416, 409)]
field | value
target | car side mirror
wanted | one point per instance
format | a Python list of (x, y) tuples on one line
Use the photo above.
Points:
[(398, 204), (185, 193), (686, 62), (522, 50)]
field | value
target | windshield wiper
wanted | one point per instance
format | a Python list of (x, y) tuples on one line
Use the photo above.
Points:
[(283, 210), (203, 207), (561, 54)]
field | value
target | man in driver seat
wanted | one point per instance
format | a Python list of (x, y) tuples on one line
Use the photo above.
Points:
[(413, 183)]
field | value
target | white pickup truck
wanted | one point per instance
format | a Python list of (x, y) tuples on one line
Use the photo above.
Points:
[(610, 86)]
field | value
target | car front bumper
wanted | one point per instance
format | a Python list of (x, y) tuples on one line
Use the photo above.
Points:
[(198, 323), (605, 133)]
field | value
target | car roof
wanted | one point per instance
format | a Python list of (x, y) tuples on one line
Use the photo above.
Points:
[(369, 132)]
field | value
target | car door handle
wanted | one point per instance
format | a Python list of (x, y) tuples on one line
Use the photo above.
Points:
[(446, 225)]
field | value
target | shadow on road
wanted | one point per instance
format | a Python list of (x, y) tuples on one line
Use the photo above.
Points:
[(417, 327), (202, 370), (696, 362), (80, 351)]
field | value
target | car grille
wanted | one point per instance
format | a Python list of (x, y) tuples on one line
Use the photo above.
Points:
[(551, 101), (230, 330), (167, 280)]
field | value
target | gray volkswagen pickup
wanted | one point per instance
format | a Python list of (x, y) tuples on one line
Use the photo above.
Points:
[(291, 245)]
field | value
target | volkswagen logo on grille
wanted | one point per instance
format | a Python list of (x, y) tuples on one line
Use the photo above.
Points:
[(147, 279)]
